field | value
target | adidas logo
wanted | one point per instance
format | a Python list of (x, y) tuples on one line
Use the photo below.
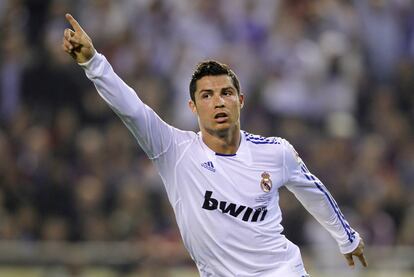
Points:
[(209, 165)]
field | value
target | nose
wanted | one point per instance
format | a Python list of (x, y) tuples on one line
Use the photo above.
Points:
[(218, 101)]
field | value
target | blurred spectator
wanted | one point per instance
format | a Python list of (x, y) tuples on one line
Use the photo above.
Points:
[(382, 35)]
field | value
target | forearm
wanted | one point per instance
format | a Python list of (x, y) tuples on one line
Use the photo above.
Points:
[(314, 196), (119, 96), (321, 205), (324, 208), (153, 134)]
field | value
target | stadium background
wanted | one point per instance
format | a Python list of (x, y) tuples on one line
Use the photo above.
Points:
[(79, 198)]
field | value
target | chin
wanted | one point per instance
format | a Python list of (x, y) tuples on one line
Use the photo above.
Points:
[(223, 125), (223, 128), (220, 129)]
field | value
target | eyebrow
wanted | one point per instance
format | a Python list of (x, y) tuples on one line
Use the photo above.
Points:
[(223, 89), (205, 90), (227, 88)]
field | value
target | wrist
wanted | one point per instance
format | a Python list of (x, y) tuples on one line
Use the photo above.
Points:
[(86, 61)]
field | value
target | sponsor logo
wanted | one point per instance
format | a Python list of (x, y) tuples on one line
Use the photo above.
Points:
[(209, 165), (246, 213)]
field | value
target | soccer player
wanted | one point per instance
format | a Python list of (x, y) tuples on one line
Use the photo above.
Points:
[(222, 182)]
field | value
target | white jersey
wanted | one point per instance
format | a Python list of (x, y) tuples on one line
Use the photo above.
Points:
[(226, 206)]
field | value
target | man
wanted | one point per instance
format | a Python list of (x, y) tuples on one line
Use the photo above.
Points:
[(222, 182)]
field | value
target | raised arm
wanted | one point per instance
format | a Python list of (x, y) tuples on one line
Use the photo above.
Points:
[(314, 196), (153, 134)]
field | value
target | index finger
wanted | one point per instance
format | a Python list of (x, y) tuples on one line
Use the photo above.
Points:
[(362, 260), (74, 23)]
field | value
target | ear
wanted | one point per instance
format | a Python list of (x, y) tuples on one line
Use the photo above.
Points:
[(241, 99), (192, 106)]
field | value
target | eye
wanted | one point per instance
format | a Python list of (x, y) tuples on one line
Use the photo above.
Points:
[(228, 92), (206, 95)]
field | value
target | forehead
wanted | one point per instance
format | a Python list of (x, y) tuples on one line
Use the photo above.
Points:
[(214, 82)]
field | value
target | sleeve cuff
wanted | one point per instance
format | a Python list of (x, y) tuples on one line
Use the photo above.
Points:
[(351, 246), (95, 67)]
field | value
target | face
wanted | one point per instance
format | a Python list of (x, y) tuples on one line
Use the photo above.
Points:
[(217, 104)]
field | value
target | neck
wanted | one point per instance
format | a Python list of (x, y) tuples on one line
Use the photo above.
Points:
[(224, 142)]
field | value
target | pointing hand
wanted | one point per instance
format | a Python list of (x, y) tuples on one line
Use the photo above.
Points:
[(76, 42)]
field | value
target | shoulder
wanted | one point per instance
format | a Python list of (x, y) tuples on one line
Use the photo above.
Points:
[(274, 147), (179, 143), (265, 149), (182, 136), (257, 139)]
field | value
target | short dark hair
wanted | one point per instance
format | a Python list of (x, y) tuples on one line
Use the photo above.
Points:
[(211, 68)]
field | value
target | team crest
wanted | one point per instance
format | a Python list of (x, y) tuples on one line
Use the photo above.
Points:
[(266, 183)]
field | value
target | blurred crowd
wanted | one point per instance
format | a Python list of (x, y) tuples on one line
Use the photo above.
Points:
[(334, 77)]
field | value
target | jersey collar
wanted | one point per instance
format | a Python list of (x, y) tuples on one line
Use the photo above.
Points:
[(243, 152)]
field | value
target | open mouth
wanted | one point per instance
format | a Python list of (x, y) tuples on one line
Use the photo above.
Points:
[(221, 117)]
